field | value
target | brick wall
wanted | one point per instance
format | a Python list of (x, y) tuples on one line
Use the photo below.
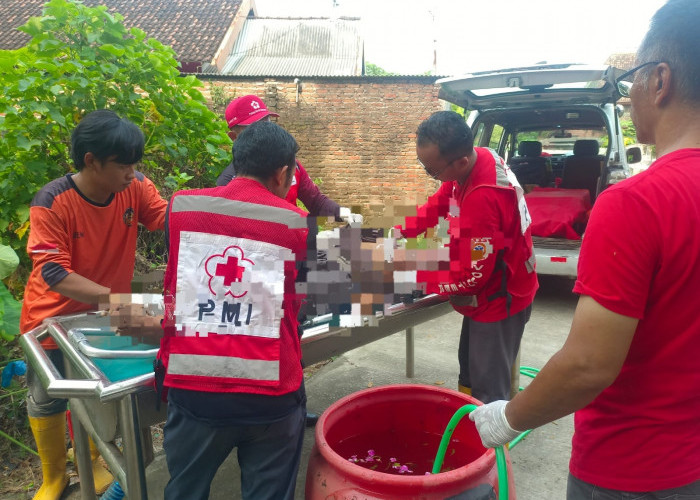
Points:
[(356, 134)]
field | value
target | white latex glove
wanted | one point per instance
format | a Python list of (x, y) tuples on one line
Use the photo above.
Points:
[(492, 424), (355, 220)]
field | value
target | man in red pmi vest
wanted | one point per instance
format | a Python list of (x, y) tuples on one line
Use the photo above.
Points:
[(488, 271), (247, 109), (230, 351)]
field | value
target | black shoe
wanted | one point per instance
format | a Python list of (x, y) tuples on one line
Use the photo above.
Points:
[(311, 419)]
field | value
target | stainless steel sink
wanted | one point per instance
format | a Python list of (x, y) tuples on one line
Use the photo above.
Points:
[(109, 386)]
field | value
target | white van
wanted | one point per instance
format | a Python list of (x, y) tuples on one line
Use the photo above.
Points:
[(558, 128)]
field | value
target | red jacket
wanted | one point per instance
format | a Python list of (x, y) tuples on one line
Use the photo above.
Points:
[(230, 304), (491, 255)]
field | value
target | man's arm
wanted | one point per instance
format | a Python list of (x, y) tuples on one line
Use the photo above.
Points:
[(152, 206), (313, 199), (476, 241), (226, 176), (428, 214), (589, 361), (77, 287)]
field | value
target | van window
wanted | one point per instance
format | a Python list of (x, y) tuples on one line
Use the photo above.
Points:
[(478, 133), (496, 136)]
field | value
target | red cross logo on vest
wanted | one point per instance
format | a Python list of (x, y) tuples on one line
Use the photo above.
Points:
[(230, 271), (226, 272)]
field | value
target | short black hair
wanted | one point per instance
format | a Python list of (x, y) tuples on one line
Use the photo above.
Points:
[(263, 148), (104, 134), (448, 131), (674, 38)]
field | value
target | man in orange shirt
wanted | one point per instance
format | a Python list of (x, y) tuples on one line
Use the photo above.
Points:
[(83, 243)]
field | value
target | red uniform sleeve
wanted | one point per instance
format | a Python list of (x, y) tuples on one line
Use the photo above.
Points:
[(313, 199), (619, 253), (476, 237), (49, 243), (152, 206), (428, 214)]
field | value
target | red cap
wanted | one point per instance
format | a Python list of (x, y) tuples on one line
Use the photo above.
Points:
[(246, 110)]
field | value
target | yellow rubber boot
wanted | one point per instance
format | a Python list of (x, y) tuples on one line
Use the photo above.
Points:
[(466, 390), (101, 476), (50, 436)]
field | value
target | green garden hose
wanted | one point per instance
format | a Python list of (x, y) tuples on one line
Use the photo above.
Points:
[(501, 464), (528, 371)]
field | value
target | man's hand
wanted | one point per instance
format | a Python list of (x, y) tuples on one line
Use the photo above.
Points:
[(463, 300), (135, 321), (355, 220), (492, 424)]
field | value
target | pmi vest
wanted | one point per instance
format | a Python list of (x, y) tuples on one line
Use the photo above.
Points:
[(230, 305)]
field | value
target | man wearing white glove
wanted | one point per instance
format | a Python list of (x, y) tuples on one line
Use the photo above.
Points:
[(355, 220), (492, 424), (629, 368)]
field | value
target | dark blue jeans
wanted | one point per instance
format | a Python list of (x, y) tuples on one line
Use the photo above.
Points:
[(580, 490), (268, 456)]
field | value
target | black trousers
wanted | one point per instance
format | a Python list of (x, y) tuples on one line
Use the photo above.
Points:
[(487, 352)]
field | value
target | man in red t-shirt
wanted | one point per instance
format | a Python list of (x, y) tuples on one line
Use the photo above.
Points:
[(629, 368)]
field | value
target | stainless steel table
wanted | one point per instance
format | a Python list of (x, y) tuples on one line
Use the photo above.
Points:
[(105, 407)]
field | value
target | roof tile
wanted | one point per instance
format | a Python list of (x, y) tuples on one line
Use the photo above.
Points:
[(194, 28)]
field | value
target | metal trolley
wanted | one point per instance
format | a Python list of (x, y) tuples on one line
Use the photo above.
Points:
[(111, 393)]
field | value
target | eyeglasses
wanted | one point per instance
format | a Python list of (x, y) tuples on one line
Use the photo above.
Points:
[(625, 81), (437, 175)]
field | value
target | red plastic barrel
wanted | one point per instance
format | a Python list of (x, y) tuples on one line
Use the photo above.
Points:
[(361, 437)]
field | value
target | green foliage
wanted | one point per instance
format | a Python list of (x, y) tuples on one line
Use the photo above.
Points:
[(80, 59), (629, 133), (374, 70), (459, 110), (220, 98), (9, 307)]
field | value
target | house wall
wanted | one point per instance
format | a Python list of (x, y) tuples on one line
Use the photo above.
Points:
[(357, 135)]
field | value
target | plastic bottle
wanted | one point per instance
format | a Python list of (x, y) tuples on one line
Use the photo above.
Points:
[(114, 492), (14, 368)]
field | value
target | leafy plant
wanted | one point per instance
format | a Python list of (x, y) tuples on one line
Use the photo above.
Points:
[(9, 307), (374, 70), (80, 59), (629, 132), (220, 98)]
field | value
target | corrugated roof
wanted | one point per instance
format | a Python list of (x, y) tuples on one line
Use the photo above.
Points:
[(297, 47), (194, 28)]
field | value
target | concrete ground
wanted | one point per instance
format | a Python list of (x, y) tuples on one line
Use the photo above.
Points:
[(540, 462)]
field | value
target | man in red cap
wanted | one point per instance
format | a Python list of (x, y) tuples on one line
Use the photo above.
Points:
[(247, 109)]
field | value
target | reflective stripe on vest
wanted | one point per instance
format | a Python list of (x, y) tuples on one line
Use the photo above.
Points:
[(506, 178), (233, 208), (223, 367)]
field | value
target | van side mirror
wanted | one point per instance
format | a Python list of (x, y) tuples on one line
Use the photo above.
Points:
[(634, 154)]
